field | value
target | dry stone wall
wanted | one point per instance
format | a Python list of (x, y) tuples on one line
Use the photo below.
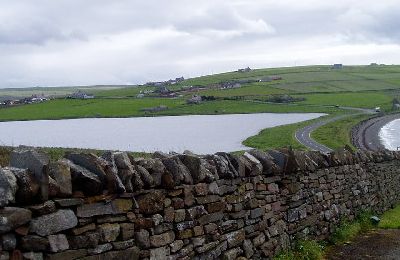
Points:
[(184, 206)]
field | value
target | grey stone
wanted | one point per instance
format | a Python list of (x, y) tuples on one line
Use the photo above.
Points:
[(11, 218), (176, 245), (84, 180), (196, 168), (160, 253), (293, 215), (68, 255), (121, 245), (213, 217), (90, 162), (143, 238), (126, 172), (28, 187), (178, 170), (100, 249), (108, 232), (4, 255), (225, 167), (89, 240), (61, 174), (69, 202), (58, 243), (35, 162), (185, 225), (54, 188), (280, 159), (54, 223), (145, 176), (43, 209), (232, 254), (256, 213), (256, 167), (235, 238), (132, 253), (114, 183), (213, 188), (248, 248), (259, 240), (9, 242), (111, 219), (117, 206), (267, 161), (8, 187), (162, 239), (32, 256), (196, 212)]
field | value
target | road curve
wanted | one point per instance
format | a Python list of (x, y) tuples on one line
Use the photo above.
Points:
[(303, 135)]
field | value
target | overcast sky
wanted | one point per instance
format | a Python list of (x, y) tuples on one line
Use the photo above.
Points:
[(70, 42)]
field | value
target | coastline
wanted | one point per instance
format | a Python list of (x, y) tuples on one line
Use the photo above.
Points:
[(366, 134)]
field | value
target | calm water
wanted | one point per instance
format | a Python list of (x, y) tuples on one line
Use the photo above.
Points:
[(198, 133), (390, 135)]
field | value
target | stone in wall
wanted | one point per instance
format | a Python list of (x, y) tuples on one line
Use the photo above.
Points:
[(8, 187), (37, 163)]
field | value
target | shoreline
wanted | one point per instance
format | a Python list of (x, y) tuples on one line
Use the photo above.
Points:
[(366, 134)]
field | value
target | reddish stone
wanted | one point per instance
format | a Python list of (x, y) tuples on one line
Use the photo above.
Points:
[(169, 214), (201, 189), (178, 203), (216, 206), (143, 223)]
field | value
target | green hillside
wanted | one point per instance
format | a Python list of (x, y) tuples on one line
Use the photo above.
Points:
[(309, 88)]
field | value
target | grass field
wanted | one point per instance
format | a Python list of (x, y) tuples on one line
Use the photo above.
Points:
[(280, 136), (391, 218), (71, 108), (359, 99), (337, 134)]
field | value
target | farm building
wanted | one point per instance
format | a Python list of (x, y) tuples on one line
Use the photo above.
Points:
[(337, 66)]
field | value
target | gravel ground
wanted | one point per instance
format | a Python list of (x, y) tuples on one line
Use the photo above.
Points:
[(377, 244)]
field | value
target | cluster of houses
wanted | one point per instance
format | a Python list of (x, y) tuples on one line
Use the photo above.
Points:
[(80, 95), (244, 70), (168, 82), (36, 98), (195, 99)]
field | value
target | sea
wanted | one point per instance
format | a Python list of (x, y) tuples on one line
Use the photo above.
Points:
[(390, 135)]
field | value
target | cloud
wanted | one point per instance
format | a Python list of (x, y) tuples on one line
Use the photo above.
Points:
[(58, 43)]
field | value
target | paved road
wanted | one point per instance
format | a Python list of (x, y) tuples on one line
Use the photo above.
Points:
[(303, 135)]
